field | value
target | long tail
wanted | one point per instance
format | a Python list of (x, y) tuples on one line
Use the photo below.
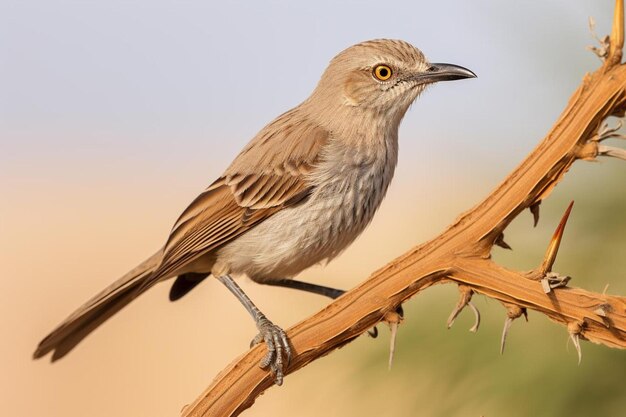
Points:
[(97, 310)]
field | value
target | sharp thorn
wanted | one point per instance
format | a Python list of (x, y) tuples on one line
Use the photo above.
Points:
[(392, 342), (474, 328), (592, 23), (500, 242), (464, 299), (609, 132), (534, 209), (612, 151), (505, 331), (373, 332), (617, 31), (576, 341), (553, 247)]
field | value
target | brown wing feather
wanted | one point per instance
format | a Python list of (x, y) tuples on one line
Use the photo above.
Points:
[(268, 175)]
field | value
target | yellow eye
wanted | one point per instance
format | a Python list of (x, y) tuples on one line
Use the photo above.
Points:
[(382, 72)]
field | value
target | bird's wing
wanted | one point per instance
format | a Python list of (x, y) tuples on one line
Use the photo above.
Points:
[(267, 176)]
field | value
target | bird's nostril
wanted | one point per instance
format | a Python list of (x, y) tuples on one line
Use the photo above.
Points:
[(432, 68)]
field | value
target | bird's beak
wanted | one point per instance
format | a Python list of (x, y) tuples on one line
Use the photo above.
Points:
[(444, 72)]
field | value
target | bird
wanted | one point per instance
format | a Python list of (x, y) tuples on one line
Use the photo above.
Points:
[(297, 195)]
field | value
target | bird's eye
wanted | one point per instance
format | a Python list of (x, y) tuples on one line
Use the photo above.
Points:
[(382, 72)]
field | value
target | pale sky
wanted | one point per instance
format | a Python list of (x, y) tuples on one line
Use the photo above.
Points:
[(185, 83)]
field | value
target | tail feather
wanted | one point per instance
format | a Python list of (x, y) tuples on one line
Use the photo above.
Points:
[(98, 309)]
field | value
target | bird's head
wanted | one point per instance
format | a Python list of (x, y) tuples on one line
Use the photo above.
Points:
[(382, 75)]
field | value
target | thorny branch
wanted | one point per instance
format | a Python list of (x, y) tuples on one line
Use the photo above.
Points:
[(461, 254)]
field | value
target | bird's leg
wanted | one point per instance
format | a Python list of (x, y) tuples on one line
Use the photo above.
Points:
[(274, 337), (308, 287), (320, 290)]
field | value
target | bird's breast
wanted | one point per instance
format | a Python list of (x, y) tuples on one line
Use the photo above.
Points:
[(348, 189)]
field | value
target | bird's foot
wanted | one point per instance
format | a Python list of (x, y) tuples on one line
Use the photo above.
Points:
[(389, 319), (278, 353)]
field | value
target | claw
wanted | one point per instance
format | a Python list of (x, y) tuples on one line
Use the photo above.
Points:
[(373, 332), (271, 351), (278, 354), (285, 342)]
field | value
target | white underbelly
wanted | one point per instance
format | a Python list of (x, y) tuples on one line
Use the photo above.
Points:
[(314, 231)]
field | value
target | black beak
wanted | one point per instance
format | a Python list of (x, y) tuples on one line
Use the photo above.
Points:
[(444, 72)]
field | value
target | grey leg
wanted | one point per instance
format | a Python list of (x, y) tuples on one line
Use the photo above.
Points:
[(305, 286), (333, 293), (274, 337)]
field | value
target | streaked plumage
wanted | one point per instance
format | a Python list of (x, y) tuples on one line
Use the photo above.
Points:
[(298, 194)]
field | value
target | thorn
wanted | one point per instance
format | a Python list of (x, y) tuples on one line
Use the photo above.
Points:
[(500, 242), (575, 329), (505, 331), (603, 50), (534, 209), (606, 287), (576, 342), (474, 328), (392, 342), (393, 319), (617, 32), (612, 151), (553, 247), (464, 300), (513, 312), (609, 133)]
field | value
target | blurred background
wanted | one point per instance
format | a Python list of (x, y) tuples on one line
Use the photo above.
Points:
[(114, 115)]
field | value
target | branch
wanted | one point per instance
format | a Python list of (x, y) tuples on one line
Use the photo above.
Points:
[(461, 255)]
